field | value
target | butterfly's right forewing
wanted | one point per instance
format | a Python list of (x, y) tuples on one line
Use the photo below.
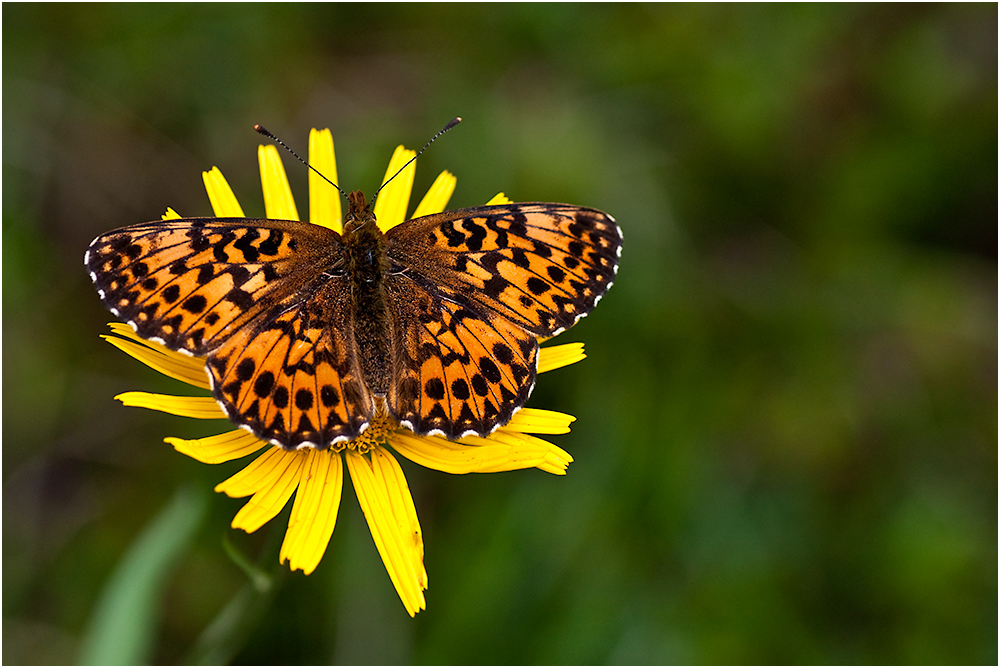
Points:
[(542, 266)]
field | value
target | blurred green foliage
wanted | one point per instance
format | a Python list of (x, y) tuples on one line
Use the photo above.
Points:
[(786, 449)]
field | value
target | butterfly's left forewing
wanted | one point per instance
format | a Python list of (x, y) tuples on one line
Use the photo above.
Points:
[(190, 283)]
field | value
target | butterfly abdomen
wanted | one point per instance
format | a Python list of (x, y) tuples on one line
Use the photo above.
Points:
[(367, 266)]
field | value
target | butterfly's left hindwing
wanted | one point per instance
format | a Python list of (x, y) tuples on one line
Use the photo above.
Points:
[(293, 376)]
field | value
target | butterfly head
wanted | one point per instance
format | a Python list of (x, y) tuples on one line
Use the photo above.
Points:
[(364, 241), (359, 214)]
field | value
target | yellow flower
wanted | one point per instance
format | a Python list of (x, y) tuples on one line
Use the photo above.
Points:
[(315, 477)]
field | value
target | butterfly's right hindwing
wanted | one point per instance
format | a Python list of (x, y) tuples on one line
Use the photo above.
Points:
[(459, 370)]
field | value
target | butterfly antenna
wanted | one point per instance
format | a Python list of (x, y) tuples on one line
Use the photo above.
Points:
[(263, 131), (452, 123)]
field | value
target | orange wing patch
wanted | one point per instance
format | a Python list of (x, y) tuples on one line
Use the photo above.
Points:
[(290, 380), (466, 373), (189, 283), (541, 266)]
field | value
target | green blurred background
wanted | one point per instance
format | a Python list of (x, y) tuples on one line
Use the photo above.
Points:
[(786, 449)]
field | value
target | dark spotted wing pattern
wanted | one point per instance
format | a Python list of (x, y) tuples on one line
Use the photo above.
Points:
[(191, 283), (542, 266), (266, 301), (302, 350), (293, 376), (486, 282), (462, 369)]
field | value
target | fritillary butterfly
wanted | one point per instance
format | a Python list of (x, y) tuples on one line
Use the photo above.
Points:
[(307, 333)]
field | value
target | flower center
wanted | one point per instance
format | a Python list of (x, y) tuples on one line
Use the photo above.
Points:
[(372, 437)]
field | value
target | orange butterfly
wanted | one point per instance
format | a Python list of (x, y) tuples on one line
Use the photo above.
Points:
[(308, 334)]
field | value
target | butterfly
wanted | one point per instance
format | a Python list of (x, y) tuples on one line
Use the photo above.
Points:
[(308, 333)]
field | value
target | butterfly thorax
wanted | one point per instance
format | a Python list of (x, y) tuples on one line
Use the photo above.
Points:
[(367, 267)]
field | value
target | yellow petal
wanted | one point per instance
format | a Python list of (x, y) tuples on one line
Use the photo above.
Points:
[(278, 201), (182, 367), (390, 476), (223, 200), (525, 450), (449, 456), (324, 199), (217, 449), (395, 544), (170, 215), (390, 206), (437, 196), (274, 490), (499, 198), (500, 451), (538, 421), (258, 474), (203, 408), (271, 479), (554, 357), (314, 512)]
